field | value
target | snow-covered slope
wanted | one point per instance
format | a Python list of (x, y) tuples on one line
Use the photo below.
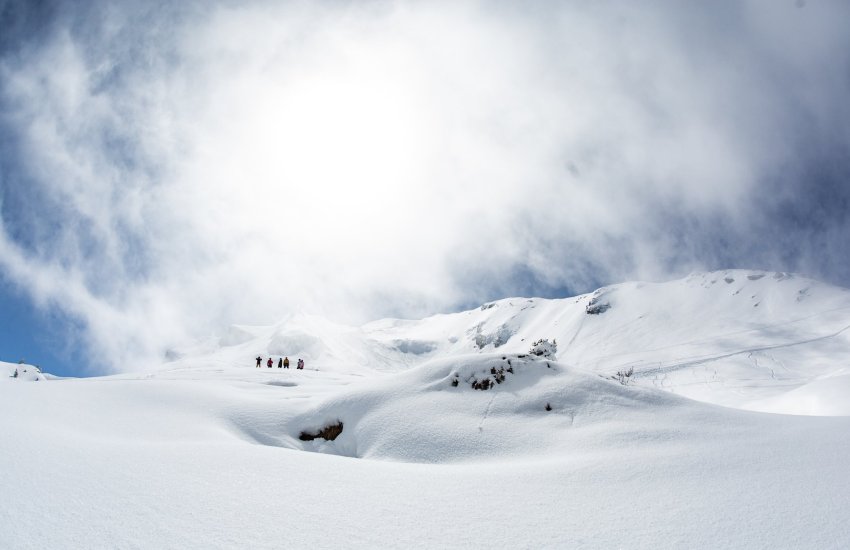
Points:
[(732, 337), (736, 338), (21, 372), (446, 433), (550, 457)]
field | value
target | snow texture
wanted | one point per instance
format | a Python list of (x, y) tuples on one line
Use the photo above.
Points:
[(454, 435)]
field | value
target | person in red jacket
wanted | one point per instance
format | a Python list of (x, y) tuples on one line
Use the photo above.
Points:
[(270, 362)]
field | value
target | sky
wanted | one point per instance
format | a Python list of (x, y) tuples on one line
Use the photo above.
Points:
[(170, 168)]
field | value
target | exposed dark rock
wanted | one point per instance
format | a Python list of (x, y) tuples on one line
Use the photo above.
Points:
[(328, 432)]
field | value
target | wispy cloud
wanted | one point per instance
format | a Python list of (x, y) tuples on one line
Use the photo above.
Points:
[(168, 171)]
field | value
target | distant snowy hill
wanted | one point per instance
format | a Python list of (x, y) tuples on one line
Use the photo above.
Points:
[(737, 338), (447, 433), (21, 372)]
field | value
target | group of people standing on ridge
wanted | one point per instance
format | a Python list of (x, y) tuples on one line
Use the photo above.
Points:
[(283, 362)]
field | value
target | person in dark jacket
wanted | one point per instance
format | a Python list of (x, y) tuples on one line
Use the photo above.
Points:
[(259, 360), (280, 363)]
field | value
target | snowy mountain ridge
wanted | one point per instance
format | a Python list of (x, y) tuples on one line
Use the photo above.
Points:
[(738, 338)]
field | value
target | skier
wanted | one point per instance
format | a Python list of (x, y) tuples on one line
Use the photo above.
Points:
[(270, 362), (16, 374), (259, 360), (286, 362), (279, 363), (301, 364)]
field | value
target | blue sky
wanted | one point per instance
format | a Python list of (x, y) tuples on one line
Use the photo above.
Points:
[(169, 169), (35, 335)]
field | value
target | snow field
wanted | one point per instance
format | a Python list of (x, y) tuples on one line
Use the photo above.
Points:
[(170, 463), (204, 450)]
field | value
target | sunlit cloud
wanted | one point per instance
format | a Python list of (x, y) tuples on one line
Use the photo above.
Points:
[(168, 172)]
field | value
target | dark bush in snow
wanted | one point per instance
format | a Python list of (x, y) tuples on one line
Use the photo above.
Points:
[(625, 376), (544, 348), (487, 379)]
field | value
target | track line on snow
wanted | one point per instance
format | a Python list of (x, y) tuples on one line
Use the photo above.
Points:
[(573, 339), (714, 338), (702, 360), (486, 412)]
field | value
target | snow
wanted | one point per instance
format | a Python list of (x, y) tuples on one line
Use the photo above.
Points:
[(20, 372), (204, 451), (823, 397)]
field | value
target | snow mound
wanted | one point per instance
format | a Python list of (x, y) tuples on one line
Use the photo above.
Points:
[(21, 372), (444, 412)]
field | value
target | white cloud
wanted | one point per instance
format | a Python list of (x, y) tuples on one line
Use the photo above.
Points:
[(203, 167)]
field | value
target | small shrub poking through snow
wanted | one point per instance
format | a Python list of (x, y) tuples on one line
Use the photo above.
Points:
[(544, 348), (624, 376), (484, 384), (328, 432), (492, 373), (486, 379), (497, 376)]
